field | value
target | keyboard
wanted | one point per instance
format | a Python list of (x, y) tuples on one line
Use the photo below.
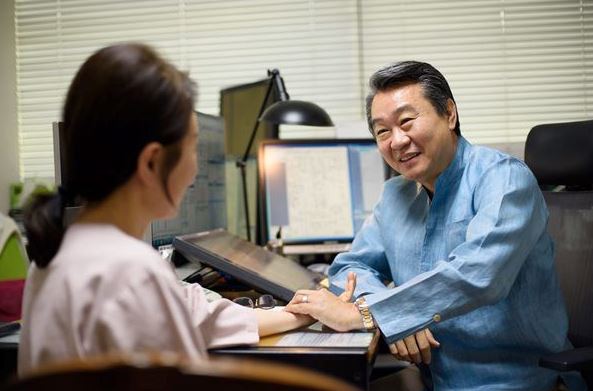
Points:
[(319, 248)]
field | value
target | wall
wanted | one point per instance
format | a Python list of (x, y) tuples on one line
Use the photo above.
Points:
[(9, 166)]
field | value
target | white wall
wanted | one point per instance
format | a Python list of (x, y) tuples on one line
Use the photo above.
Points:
[(9, 166)]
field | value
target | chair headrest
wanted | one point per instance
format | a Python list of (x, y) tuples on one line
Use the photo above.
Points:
[(561, 154)]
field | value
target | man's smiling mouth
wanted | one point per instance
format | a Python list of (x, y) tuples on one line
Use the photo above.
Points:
[(408, 157)]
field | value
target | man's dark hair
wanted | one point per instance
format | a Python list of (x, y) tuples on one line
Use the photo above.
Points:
[(434, 85)]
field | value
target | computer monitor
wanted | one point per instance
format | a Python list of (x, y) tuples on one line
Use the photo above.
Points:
[(248, 263), (59, 153), (73, 207), (318, 191), (204, 205), (239, 106)]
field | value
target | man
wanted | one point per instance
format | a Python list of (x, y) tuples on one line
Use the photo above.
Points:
[(462, 235)]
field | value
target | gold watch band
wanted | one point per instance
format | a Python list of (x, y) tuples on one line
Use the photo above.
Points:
[(367, 318)]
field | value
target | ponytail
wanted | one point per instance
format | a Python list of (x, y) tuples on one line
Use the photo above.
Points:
[(43, 220)]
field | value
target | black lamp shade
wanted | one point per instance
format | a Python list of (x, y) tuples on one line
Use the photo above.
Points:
[(296, 112)]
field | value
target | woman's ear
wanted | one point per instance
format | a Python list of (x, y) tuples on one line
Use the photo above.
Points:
[(149, 163)]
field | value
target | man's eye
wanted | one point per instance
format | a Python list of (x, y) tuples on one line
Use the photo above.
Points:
[(406, 120), (380, 132)]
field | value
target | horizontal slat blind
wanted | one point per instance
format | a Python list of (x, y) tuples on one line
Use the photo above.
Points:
[(221, 43), (511, 64)]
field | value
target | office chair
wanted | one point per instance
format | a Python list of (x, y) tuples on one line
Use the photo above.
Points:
[(13, 270), (561, 158), (169, 371)]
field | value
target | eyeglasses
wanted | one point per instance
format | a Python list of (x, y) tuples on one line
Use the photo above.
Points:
[(265, 302)]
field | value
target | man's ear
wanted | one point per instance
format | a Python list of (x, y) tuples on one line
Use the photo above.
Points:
[(149, 163), (451, 114)]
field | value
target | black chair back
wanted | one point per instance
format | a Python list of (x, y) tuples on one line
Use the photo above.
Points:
[(561, 158), (571, 228), (561, 154)]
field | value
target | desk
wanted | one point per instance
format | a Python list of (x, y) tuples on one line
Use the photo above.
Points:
[(352, 364)]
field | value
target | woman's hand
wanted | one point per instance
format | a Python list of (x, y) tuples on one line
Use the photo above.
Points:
[(415, 348), (336, 312)]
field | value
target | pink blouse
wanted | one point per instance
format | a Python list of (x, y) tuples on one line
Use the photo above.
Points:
[(106, 291)]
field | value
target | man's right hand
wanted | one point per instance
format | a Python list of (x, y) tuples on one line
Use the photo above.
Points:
[(336, 312), (415, 348)]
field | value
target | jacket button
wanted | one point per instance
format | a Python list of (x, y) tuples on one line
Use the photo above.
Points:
[(436, 317)]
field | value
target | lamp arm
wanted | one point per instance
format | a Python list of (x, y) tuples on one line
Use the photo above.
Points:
[(256, 124), (275, 79), (279, 83)]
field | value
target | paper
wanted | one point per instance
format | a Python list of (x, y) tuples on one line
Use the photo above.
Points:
[(332, 340)]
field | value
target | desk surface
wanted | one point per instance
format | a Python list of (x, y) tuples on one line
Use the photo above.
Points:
[(350, 357), (352, 363)]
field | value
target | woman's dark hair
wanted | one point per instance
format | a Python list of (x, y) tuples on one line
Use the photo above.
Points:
[(122, 98), (434, 85)]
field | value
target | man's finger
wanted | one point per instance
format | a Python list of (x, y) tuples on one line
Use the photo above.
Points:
[(424, 346), (393, 349), (351, 283), (402, 350), (297, 309), (394, 352), (413, 350), (350, 286), (433, 342)]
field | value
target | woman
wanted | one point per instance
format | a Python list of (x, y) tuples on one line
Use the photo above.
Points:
[(130, 134)]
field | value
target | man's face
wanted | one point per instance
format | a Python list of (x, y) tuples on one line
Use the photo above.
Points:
[(412, 137)]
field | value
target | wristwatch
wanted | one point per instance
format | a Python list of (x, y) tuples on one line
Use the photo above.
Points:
[(367, 318)]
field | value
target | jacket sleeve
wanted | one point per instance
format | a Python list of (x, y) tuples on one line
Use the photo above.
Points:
[(366, 258), (510, 217)]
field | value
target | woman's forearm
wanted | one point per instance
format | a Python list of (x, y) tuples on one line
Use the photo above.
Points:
[(273, 322)]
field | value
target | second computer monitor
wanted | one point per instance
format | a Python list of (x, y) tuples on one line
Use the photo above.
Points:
[(316, 191)]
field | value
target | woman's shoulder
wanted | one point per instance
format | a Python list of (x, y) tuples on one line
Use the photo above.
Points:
[(101, 248)]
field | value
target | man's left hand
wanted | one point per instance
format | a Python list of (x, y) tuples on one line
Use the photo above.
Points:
[(415, 348)]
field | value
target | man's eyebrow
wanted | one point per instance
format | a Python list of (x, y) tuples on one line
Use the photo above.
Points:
[(395, 112)]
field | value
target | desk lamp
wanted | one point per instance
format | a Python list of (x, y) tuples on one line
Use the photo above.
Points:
[(285, 111)]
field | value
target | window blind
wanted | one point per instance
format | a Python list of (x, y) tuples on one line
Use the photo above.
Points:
[(221, 44), (511, 64)]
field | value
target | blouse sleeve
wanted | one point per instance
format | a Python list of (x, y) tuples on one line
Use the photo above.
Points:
[(154, 312), (222, 322)]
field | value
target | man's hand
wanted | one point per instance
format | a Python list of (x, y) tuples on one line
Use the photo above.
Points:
[(336, 312), (346, 296), (415, 348)]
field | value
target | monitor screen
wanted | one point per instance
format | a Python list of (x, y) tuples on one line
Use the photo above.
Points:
[(73, 207), (59, 153), (247, 262), (204, 204), (316, 191)]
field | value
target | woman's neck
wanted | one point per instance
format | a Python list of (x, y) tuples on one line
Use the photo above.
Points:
[(122, 209)]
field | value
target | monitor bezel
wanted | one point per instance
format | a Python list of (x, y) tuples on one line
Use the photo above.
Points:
[(261, 188)]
